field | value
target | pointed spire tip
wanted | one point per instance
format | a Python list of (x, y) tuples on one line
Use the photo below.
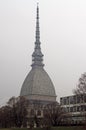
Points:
[(37, 56), (37, 4)]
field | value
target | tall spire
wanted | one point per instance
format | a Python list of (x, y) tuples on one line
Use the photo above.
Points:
[(37, 56), (37, 25)]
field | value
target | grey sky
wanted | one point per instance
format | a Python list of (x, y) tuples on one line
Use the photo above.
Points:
[(63, 38)]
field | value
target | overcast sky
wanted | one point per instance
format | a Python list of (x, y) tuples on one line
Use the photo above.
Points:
[(63, 43)]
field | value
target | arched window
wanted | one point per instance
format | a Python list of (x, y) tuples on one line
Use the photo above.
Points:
[(32, 112), (38, 113)]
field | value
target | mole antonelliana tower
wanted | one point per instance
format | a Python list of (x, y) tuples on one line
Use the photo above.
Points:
[(38, 85)]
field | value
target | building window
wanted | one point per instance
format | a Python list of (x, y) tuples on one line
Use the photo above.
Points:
[(84, 98), (32, 112), (78, 99), (78, 108), (38, 113), (71, 100), (65, 101), (67, 109), (71, 109), (74, 99), (74, 108), (84, 107)]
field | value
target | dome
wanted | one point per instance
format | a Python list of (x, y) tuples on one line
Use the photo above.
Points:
[(39, 83)]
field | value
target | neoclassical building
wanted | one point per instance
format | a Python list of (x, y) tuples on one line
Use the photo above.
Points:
[(37, 85)]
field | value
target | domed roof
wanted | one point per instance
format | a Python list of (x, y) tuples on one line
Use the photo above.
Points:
[(37, 82), (38, 85)]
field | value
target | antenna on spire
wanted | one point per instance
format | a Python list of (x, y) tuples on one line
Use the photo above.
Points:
[(37, 3), (37, 26), (37, 56)]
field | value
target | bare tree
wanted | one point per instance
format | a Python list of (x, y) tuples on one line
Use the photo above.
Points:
[(53, 114), (80, 93), (5, 117), (19, 110), (81, 87)]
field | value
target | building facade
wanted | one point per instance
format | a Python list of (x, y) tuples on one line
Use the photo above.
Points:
[(75, 107)]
